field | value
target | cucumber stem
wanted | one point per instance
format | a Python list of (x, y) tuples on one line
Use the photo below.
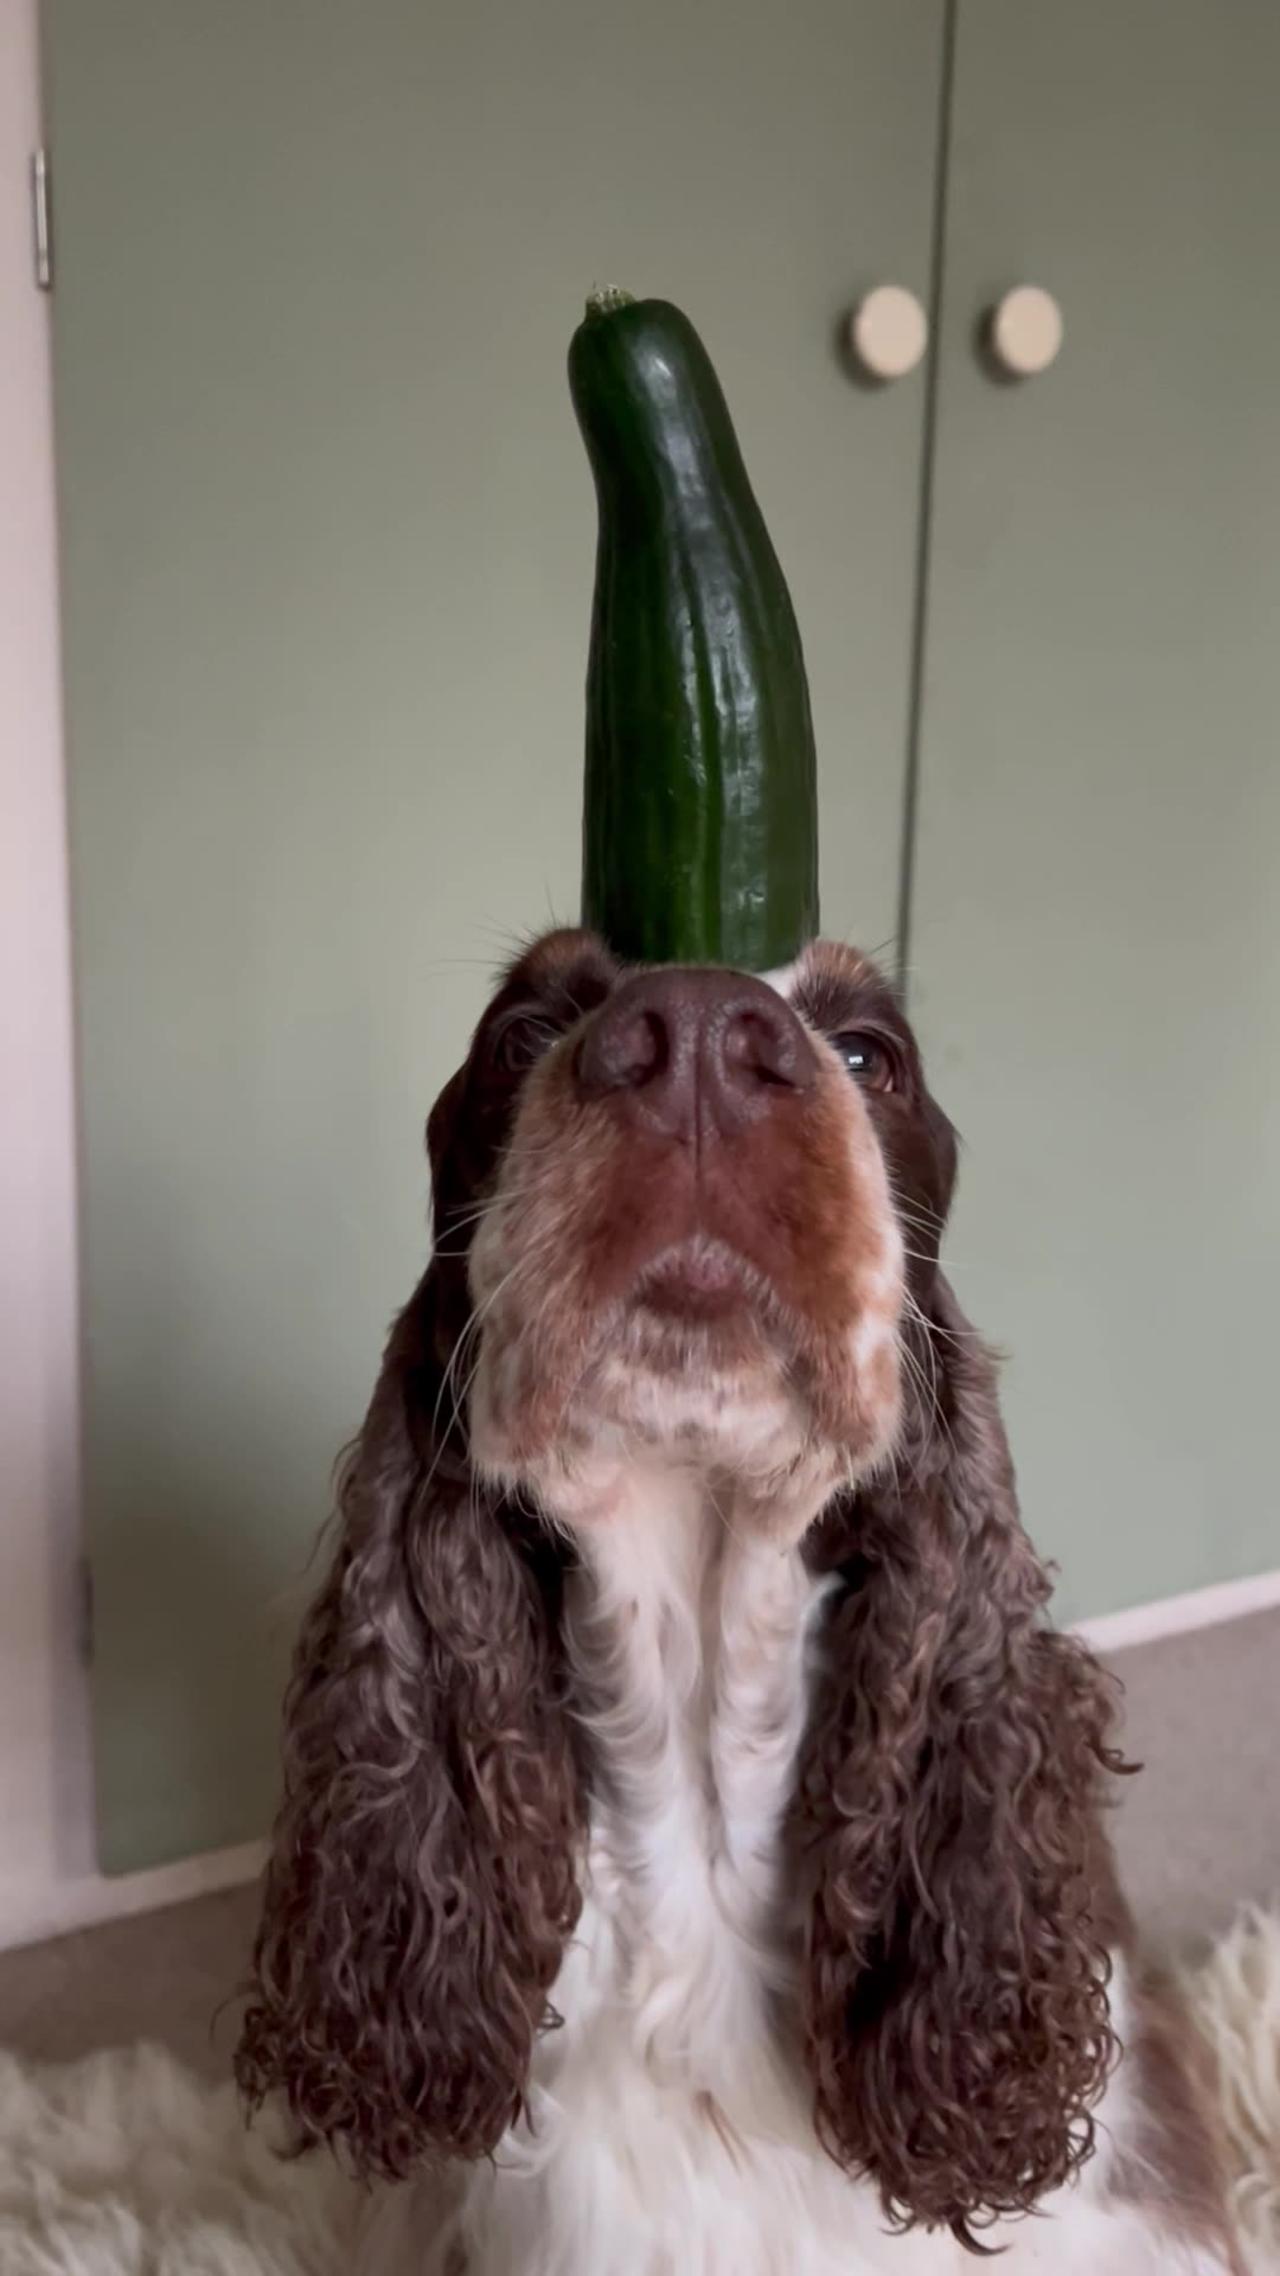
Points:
[(604, 300)]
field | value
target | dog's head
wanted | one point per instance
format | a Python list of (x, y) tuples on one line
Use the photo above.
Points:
[(693, 1228), (689, 1217)]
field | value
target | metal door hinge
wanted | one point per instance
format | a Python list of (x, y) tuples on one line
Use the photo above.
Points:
[(42, 238)]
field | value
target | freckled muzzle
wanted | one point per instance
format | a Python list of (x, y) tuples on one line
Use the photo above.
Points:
[(693, 1188)]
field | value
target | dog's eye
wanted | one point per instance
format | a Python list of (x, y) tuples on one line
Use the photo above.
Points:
[(520, 1041), (868, 1059)]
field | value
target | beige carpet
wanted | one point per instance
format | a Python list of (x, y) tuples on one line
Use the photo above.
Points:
[(126, 2164)]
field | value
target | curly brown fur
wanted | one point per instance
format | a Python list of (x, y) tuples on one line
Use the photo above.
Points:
[(422, 1883), (956, 1999)]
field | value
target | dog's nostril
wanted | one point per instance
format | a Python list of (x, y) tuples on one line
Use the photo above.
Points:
[(767, 1048), (624, 1053), (642, 1048), (696, 1048)]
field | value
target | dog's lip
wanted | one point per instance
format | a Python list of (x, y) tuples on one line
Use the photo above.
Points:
[(698, 1278)]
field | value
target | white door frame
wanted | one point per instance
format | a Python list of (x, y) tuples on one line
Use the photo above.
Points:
[(48, 1881)]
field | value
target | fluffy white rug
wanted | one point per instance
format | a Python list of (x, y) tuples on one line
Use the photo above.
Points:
[(124, 2165), (1234, 1995)]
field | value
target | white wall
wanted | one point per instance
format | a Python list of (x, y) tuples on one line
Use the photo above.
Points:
[(47, 1881)]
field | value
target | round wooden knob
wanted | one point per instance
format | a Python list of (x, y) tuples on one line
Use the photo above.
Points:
[(889, 332), (1026, 331)]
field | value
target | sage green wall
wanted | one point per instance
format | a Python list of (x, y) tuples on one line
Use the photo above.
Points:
[(1095, 935), (327, 548), (327, 537)]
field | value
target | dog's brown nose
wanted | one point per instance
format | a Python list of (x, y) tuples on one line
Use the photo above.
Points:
[(694, 1052)]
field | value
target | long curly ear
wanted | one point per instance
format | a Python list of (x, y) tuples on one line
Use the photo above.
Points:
[(957, 1966), (422, 1883)]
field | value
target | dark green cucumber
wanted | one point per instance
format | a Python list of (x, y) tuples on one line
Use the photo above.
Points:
[(700, 840)]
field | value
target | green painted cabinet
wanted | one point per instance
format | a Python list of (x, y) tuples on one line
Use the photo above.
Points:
[(1095, 923), (328, 541)]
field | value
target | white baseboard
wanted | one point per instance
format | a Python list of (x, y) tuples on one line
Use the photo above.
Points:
[(1178, 1615), (31, 1912)]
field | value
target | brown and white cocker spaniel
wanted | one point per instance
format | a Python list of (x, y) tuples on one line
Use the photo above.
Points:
[(691, 1859)]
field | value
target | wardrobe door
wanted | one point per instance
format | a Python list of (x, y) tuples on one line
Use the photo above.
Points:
[(1095, 951), (328, 542)]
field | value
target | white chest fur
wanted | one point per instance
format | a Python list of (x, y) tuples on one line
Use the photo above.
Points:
[(669, 2125)]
